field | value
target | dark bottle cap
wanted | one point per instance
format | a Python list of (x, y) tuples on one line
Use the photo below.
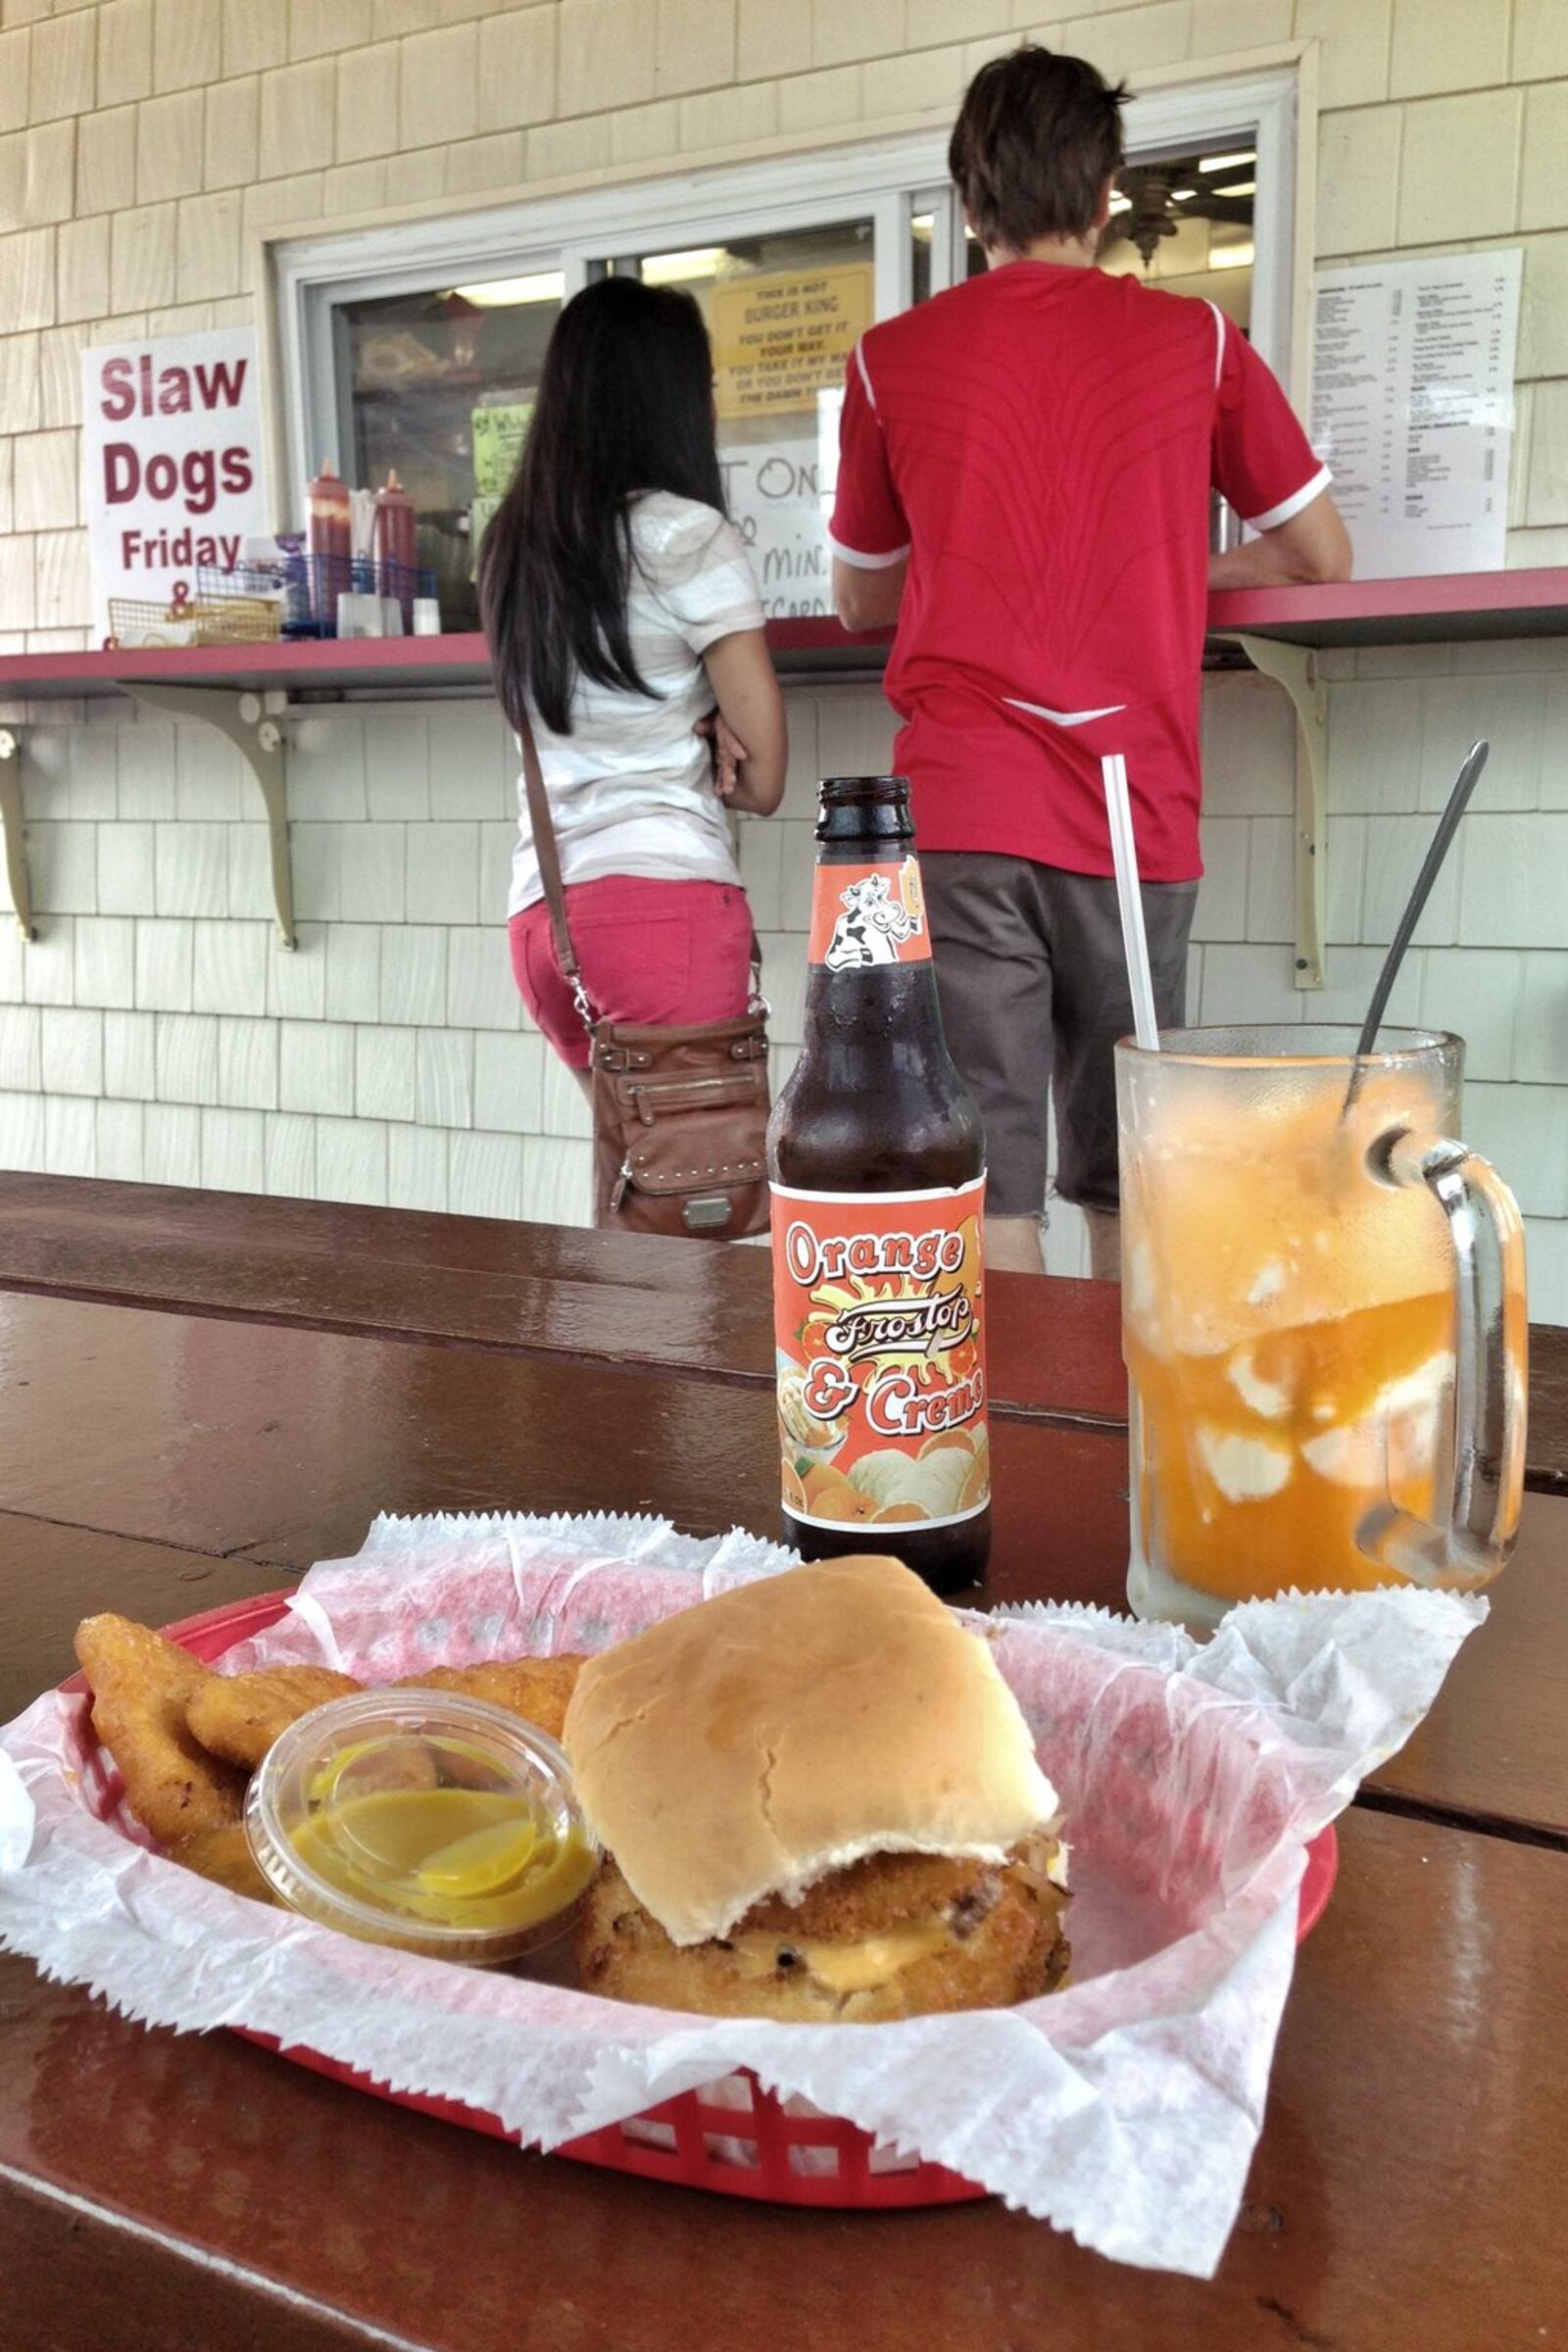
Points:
[(861, 807)]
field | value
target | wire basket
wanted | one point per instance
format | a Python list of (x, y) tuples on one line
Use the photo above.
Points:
[(305, 588), (731, 2136), (149, 622)]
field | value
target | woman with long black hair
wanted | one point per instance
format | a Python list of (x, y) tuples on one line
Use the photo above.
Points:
[(624, 622)]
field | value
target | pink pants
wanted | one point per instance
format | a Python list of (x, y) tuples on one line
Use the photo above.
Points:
[(651, 952)]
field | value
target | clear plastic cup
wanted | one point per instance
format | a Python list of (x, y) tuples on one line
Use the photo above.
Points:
[(421, 1819)]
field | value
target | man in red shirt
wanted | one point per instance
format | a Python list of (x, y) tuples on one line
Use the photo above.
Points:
[(1024, 481)]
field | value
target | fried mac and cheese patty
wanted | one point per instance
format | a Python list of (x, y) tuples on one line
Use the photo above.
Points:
[(894, 1935)]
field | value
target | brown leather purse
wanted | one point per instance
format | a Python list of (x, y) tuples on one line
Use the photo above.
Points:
[(680, 1115)]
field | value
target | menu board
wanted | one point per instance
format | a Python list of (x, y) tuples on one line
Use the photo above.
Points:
[(1412, 408), (780, 336)]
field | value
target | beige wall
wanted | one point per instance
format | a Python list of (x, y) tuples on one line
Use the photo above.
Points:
[(143, 142)]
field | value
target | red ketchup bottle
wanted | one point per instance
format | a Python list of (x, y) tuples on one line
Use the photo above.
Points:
[(326, 546), (392, 543)]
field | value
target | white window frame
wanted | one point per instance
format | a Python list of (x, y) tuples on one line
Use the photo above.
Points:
[(888, 181)]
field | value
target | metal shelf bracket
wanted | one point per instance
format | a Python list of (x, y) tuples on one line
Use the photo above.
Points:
[(15, 830), (251, 723), (1295, 668)]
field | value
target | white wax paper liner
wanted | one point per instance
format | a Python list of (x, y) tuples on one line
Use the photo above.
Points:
[(1124, 2109)]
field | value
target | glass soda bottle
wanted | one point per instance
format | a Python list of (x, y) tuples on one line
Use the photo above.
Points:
[(876, 1157)]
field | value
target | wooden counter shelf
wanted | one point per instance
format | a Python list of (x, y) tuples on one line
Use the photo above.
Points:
[(1451, 609), (245, 691)]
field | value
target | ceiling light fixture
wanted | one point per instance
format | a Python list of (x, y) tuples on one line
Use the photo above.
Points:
[(504, 293), (680, 268)]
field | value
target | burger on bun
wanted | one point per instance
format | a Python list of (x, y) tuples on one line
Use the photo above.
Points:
[(820, 1802)]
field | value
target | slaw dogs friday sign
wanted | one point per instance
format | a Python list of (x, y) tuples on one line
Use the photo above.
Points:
[(171, 437)]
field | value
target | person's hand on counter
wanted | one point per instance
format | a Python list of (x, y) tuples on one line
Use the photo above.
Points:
[(1310, 550)]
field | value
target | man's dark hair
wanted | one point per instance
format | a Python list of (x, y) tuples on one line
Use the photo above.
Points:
[(1037, 137)]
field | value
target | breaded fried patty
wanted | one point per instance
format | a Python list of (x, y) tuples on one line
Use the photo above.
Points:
[(537, 1689), (894, 1935)]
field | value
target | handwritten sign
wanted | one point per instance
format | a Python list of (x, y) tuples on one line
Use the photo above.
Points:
[(779, 338), (779, 494), (172, 468), (498, 438)]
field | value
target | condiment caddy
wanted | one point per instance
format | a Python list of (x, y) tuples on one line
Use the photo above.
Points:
[(351, 573)]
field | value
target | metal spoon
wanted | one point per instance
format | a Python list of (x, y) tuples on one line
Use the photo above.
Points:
[(1464, 785)]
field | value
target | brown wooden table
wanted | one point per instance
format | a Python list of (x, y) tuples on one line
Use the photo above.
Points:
[(313, 1366), (1054, 1345)]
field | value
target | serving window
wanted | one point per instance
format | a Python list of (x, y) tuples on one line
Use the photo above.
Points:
[(418, 346), (438, 385)]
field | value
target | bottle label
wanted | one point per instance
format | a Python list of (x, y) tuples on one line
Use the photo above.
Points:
[(877, 1323), (867, 915)]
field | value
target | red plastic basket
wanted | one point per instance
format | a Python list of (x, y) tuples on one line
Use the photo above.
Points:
[(734, 2136)]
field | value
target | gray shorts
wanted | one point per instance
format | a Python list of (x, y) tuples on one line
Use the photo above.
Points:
[(1034, 993)]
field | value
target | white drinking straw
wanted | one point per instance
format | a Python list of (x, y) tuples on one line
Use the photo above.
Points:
[(1113, 768)]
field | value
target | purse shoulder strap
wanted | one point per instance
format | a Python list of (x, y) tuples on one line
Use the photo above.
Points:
[(547, 849)]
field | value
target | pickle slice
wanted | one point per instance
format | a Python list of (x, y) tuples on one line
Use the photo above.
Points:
[(482, 1862)]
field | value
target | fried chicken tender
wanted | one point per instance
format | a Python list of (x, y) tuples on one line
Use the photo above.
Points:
[(894, 1935), (224, 1856), (185, 1738), (141, 1687), (238, 1716), (536, 1688)]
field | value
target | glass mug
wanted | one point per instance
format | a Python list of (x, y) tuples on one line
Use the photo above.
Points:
[(1323, 1320)]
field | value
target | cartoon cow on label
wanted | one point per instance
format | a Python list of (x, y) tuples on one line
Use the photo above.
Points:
[(872, 927)]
